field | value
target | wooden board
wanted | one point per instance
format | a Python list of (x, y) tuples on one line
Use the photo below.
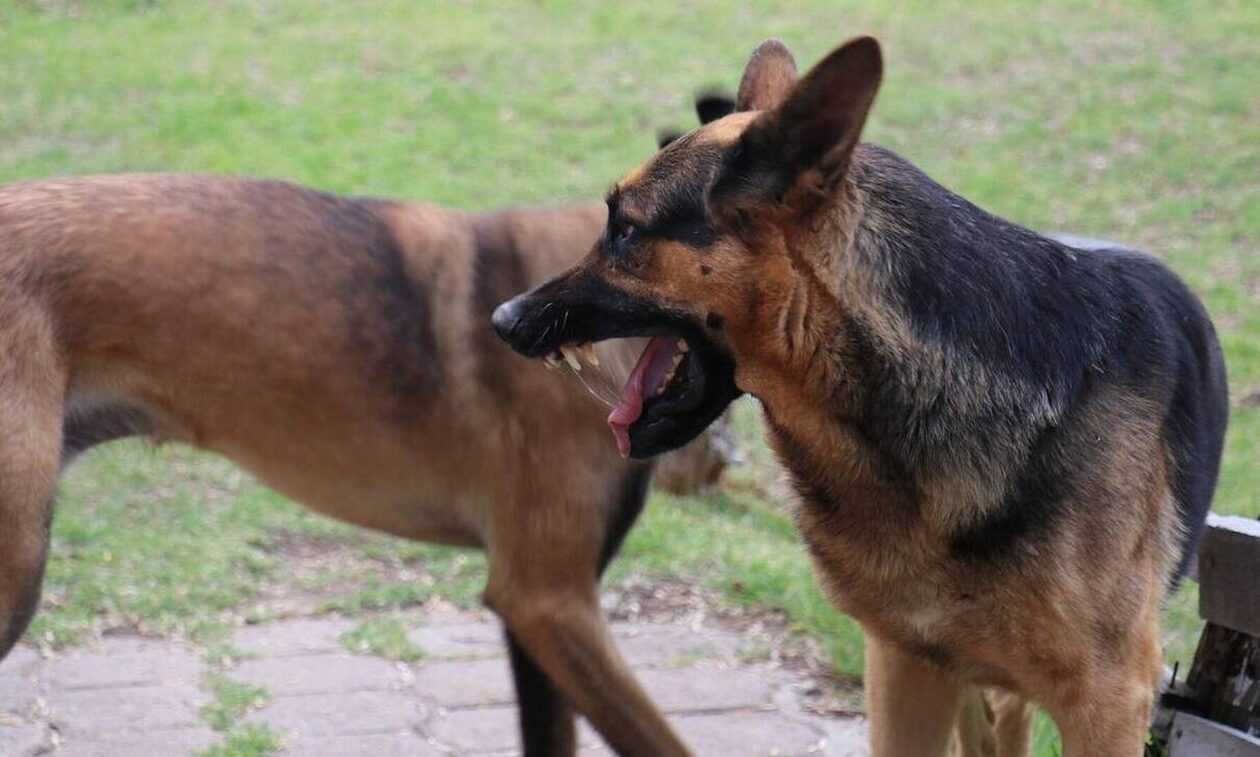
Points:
[(1225, 677), (1229, 573), (1193, 736)]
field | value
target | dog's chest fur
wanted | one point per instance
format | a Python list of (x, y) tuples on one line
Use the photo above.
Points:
[(879, 558)]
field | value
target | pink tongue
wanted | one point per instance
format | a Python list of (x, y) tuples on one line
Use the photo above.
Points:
[(645, 380)]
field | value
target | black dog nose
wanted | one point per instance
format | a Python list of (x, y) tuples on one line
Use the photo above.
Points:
[(505, 318)]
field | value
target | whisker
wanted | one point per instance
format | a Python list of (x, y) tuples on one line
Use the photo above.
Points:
[(543, 335), (593, 392)]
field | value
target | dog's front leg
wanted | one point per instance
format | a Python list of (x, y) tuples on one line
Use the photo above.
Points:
[(564, 633), (912, 704)]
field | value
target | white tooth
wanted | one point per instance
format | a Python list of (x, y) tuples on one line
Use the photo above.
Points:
[(682, 345), (571, 357), (551, 362), (677, 359), (588, 352)]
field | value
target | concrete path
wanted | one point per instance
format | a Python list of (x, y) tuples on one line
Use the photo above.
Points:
[(133, 697)]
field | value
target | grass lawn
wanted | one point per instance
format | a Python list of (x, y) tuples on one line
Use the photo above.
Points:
[(1137, 121)]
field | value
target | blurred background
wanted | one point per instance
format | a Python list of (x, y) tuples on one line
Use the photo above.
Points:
[(1137, 121)]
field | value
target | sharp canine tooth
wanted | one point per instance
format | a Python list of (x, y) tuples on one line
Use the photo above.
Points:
[(571, 357), (588, 352), (682, 345), (551, 362)]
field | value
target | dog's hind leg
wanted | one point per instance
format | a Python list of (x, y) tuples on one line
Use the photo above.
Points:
[(974, 732), (913, 705), (546, 719), (32, 390), (1014, 716), (543, 583), (993, 723)]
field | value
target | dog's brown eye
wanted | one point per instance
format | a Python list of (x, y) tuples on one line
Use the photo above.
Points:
[(625, 233)]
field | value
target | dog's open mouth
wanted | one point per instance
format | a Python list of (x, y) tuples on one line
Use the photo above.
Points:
[(678, 386), (663, 402), (682, 381), (663, 381)]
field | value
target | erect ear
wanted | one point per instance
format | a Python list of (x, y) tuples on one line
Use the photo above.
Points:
[(709, 107), (713, 105), (769, 75), (666, 136), (813, 131)]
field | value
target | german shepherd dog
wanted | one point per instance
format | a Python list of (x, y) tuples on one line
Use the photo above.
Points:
[(1004, 447), (341, 350)]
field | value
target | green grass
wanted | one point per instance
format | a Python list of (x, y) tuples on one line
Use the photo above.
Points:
[(250, 740), (383, 637), (197, 546), (233, 700), (1133, 120)]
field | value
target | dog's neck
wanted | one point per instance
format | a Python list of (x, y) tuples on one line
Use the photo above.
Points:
[(916, 300)]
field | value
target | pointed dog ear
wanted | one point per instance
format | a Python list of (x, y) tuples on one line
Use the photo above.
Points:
[(770, 73), (812, 131), (663, 138), (714, 105), (709, 107)]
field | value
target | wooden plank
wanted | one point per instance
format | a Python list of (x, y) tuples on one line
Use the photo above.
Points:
[(1225, 677), (1192, 736), (1229, 573)]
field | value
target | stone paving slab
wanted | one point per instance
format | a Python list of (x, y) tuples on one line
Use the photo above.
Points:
[(124, 662), (18, 694), (475, 683), (339, 673), (846, 737), (459, 641), (657, 645), (149, 744), (21, 738), (143, 697), (709, 689), (19, 661), (291, 638), (372, 745), (750, 733), (488, 729), (315, 717), (101, 713)]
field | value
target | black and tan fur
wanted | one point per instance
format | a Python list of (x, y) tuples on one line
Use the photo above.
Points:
[(1004, 446), (339, 349)]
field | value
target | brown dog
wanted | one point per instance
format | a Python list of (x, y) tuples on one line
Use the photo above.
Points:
[(341, 350), (1004, 446)]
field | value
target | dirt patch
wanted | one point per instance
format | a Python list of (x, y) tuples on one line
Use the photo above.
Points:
[(768, 637)]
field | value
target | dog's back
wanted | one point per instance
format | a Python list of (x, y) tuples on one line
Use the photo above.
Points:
[(292, 330), (338, 348)]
